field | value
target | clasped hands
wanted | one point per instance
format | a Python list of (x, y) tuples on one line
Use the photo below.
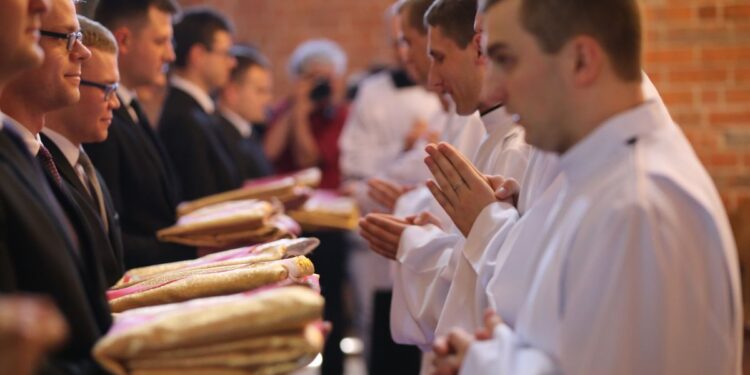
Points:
[(459, 188)]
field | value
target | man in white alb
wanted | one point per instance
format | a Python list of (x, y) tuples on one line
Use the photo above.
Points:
[(637, 269)]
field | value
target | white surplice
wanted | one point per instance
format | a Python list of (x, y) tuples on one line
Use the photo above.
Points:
[(381, 116), (636, 265), (425, 259)]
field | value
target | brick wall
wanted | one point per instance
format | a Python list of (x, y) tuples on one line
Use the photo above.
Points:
[(697, 53)]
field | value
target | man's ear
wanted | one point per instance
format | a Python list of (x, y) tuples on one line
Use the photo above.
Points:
[(586, 59), (476, 45), (197, 54), (124, 38)]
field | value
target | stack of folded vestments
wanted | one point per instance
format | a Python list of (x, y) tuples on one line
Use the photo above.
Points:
[(272, 330), (327, 210), (217, 274), (231, 224), (292, 190)]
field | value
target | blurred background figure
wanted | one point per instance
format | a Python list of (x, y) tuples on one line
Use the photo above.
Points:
[(391, 120), (244, 104), (203, 63), (304, 132), (306, 126)]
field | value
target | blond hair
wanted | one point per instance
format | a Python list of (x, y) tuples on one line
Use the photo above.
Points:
[(96, 36)]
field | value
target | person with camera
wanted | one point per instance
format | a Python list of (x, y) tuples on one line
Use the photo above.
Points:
[(306, 127), (304, 132)]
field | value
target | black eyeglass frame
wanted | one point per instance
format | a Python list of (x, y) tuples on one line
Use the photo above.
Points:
[(108, 89), (72, 38)]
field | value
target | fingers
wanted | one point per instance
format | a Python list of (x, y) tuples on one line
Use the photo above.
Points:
[(384, 192), (496, 182), (445, 173), (380, 247), (440, 197), (379, 230), (462, 167), (509, 190), (425, 218)]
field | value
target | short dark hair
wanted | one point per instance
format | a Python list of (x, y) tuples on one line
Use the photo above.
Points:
[(417, 9), (455, 19), (247, 57), (615, 24), (197, 26), (113, 13)]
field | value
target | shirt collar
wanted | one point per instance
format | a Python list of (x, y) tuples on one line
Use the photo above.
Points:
[(190, 88), (2, 120), (597, 149), (33, 142), (237, 121), (498, 121), (126, 95), (71, 151)]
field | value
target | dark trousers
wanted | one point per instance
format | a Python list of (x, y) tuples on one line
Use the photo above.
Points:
[(386, 356), (330, 259)]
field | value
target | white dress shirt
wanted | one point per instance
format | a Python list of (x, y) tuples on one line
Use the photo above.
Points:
[(197, 93), (32, 141), (426, 261), (637, 270), (239, 123)]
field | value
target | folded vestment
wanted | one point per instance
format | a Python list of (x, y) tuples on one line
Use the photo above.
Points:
[(182, 285), (327, 210), (228, 224), (246, 255), (241, 332)]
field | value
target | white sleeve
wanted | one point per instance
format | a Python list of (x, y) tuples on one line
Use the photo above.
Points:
[(421, 283), (355, 143), (504, 354)]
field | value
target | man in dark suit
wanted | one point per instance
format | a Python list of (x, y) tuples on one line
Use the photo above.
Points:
[(243, 105), (45, 246), (203, 39), (87, 121), (132, 160)]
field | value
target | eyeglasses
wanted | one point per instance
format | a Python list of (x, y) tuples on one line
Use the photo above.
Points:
[(72, 38), (108, 89)]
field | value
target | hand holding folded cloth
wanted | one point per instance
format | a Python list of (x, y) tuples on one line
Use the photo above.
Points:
[(267, 331), (228, 224)]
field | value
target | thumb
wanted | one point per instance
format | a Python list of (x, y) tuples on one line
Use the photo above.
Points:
[(495, 181), (507, 189)]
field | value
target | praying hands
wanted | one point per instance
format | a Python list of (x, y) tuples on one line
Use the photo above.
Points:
[(461, 189)]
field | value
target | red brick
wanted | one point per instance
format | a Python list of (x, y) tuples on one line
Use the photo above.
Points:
[(729, 118), (671, 13), (671, 55), (698, 75), (738, 95), (726, 54), (709, 96), (677, 97), (707, 12), (737, 12), (723, 159)]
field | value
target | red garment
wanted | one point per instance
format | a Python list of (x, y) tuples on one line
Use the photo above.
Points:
[(327, 125)]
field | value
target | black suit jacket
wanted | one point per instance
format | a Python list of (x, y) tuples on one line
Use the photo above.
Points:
[(192, 140), (38, 255), (143, 189), (109, 246), (247, 153)]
